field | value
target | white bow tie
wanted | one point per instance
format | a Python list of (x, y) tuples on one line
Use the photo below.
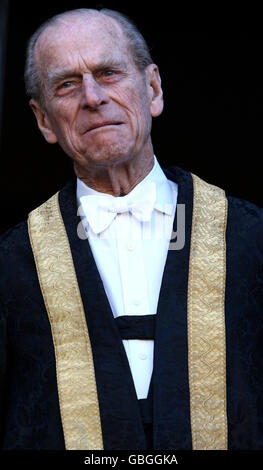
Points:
[(101, 210)]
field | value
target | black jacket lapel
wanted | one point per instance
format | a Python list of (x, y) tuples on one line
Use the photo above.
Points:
[(170, 381), (121, 422)]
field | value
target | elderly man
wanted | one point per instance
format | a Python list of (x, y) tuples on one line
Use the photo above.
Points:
[(113, 335)]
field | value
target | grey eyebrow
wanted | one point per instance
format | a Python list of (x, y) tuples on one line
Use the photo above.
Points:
[(59, 75), (108, 62)]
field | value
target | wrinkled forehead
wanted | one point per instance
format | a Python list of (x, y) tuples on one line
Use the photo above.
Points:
[(80, 40)]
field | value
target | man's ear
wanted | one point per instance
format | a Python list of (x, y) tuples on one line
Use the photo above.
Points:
[(43, 121), (155, 90)]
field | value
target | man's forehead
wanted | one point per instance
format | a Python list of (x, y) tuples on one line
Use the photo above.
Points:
[(77, 34)]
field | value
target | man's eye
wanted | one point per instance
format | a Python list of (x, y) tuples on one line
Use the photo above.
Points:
[(66, 84), (108, 73)]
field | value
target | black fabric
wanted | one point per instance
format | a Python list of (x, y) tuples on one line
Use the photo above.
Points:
[(141, 327), (244, 325), (30, 417), (146, 411), (3, 367), (136, 326), (171, 400)]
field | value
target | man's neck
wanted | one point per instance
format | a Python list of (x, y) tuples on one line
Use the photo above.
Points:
[(117, 180)]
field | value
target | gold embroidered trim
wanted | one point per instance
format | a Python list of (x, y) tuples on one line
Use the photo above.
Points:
[(206, 320), (74, 362)]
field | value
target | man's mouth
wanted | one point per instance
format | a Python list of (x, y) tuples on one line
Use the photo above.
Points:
[(102, 124)]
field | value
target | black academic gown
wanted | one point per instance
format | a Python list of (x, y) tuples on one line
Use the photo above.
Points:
[(30, 413)]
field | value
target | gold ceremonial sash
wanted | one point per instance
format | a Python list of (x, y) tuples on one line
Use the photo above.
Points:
[(206, 329), (206, 318), (74, 362)]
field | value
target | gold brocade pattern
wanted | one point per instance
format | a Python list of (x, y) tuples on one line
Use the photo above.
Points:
[(74, 362), (206, 320)]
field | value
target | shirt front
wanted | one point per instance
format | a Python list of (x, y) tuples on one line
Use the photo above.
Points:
[(130, 256)]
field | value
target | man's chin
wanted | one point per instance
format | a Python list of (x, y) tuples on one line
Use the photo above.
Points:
[(111, 155)]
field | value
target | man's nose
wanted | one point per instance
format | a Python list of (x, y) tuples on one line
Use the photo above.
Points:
[(93, 94)]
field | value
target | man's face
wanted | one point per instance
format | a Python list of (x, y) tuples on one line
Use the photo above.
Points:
[(98, 106)]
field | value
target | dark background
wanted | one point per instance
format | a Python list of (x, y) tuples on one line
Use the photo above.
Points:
[(213, 90)]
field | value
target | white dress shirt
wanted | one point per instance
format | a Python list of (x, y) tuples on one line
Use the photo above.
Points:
[(130, 256)]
